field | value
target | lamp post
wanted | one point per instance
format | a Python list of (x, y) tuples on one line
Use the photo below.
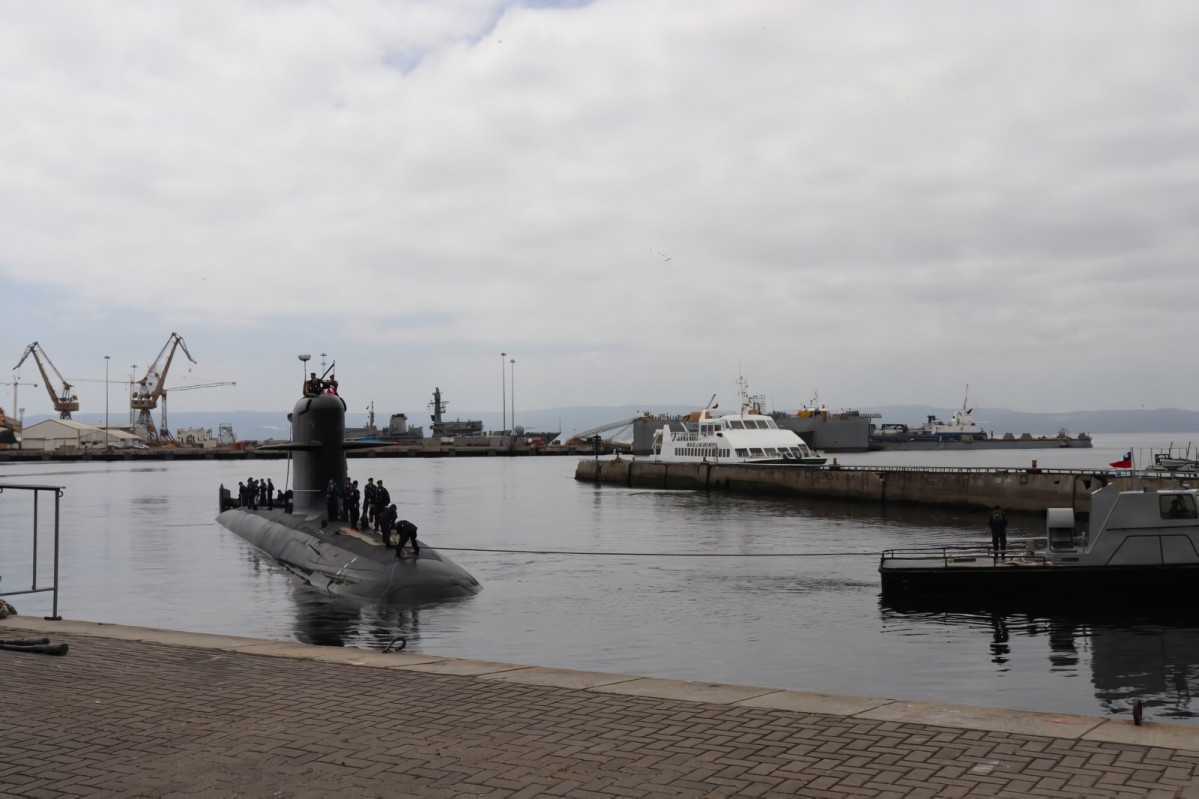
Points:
[(512, 388), (106, 444), (132, 383), (503, 395)]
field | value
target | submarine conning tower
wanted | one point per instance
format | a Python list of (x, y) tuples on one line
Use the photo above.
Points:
[(318, 427)]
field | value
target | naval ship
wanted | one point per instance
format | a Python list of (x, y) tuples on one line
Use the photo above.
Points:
[(326, 553)]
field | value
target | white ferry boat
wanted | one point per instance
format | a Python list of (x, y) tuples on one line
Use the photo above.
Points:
[(746, 435)]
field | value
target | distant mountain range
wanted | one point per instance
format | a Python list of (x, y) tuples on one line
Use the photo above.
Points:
[(261, 425)]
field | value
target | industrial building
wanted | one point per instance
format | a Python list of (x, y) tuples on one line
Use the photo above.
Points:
[(68, 436)]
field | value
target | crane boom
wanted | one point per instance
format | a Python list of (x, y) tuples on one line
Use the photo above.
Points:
[(166, 431), (199, 385), (150, 387), (65, 402)]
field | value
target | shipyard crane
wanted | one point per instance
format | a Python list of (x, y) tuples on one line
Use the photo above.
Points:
[(65, 402), (166, 431), (147, 390)]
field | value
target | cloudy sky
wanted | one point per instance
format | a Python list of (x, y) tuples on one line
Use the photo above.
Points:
[(637, 201)]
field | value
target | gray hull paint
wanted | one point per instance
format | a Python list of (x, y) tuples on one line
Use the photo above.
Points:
[(346, 564)]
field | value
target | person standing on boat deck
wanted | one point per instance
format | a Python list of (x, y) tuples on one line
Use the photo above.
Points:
[(263, 496), (345, 501), (270, 494), (355, 500), (998, 524), (331, 492), (382, 499), (368, 502)]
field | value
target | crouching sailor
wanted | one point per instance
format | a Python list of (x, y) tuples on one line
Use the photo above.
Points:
[(407, 533)]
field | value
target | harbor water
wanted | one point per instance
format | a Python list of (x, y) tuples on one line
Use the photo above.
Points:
[(710, 587)]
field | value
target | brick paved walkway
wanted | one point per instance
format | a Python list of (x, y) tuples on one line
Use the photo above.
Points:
[(137, 718)]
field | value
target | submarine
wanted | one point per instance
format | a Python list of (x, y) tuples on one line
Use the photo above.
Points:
[(326, 553)]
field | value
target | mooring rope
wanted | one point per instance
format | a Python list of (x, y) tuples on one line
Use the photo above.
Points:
[(665, 554)]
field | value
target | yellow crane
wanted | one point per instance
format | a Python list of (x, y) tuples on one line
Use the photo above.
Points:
[(147, 390), (65, 402)]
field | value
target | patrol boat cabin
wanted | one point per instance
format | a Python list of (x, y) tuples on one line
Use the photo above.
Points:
[(1138, 545)]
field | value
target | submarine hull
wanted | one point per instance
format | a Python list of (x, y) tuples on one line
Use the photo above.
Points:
[(343, 562)]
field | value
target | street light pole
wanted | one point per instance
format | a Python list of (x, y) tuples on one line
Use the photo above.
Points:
[(106, 444), (512, 388), (503, 395)]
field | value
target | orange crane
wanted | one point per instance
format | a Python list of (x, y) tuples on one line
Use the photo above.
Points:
[(166, 431), (147, 390), (65, 402)]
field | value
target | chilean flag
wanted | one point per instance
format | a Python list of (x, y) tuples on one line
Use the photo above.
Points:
[(1125, 462)]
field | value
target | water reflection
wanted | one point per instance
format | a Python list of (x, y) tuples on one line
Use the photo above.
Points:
[(999, 641), (786, 593), (1149, 653)]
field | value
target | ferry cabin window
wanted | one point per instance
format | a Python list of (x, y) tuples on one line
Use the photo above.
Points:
[(1178, 506), (755, 452), (735, 424), (742, 452)]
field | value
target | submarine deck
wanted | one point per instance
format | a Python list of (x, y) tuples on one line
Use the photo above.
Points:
[(134, 711)]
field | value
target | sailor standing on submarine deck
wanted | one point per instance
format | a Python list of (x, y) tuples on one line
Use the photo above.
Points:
[(331, 492)]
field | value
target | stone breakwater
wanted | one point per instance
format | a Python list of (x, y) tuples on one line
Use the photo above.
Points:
[(1015, 489)]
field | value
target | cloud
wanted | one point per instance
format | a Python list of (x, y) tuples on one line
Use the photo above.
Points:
[(881, 202)]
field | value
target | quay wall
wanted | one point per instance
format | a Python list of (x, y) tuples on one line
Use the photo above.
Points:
[(1014, 489)]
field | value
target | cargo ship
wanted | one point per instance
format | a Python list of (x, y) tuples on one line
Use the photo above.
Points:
[(962, 432)]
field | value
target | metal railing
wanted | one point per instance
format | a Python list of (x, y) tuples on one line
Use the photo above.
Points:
[(33, 589), (948, 555)]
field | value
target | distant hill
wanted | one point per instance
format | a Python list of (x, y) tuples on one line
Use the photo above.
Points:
[(262, 425)]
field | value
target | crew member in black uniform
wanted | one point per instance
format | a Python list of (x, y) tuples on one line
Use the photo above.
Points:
[(355, 500), (331, 499), (407, 533), (386, 518), (382, 499), (368, 503), (345, 501)]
